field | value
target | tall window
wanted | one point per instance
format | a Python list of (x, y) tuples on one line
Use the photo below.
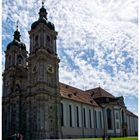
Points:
[(109, 118), (122, 117), (62, 118), (84, 117), (90, 118), (95, 119), (48, 39), (9, 60), (36, 40), (70, 114), (77, 116), (100, 119)]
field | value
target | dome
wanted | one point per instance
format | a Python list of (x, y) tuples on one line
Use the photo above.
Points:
[(16, 41), (42, 9), (43, 19)]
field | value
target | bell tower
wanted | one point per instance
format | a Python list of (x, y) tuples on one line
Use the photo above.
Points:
[(14, 85), (43, 98)]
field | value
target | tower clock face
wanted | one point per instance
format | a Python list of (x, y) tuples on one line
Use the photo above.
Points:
[(50, 69)]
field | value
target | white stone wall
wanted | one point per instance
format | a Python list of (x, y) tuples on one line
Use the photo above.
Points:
[(132, 123), (81, 131), (100, 122)]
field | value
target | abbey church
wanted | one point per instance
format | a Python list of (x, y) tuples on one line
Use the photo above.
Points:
[(36, 105)]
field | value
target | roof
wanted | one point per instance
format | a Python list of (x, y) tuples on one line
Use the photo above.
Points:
[(99, 92), (43, 19), (130, 113), (87, 97), (76, 94)]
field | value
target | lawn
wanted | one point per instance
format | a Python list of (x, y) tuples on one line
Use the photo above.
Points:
[(124, 138)]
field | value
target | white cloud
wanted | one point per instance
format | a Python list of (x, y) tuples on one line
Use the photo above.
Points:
[(91, 36)]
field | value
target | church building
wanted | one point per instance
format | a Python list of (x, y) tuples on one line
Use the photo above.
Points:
[(37, 105)]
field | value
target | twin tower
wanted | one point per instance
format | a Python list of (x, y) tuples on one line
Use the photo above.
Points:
[(31, 97)]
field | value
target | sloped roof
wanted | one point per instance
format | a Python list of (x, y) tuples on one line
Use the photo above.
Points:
[(130, 113), (99, 92), (76, 94), (87, 97)]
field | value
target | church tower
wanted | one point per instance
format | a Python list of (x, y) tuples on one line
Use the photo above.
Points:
[(14, 85), (43, 99)]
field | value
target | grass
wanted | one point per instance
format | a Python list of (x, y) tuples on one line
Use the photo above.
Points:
[(124, 138)]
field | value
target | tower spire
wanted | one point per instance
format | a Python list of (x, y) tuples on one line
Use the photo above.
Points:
[(17, 33), (99, 84), (43, 3), (17, 25), (43, 12)]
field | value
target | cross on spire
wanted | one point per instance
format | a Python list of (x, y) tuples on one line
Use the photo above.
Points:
[(43, 3), (17, 25), (17, 33)]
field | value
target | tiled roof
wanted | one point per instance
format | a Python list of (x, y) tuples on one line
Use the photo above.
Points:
[(99, 92), (87, 97), (76, 94)]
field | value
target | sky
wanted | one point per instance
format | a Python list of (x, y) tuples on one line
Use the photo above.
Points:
[(97, 41)]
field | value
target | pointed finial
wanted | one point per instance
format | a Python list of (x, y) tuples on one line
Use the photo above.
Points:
[(43, 3), (99, 84), (17, 33), (17, 25)]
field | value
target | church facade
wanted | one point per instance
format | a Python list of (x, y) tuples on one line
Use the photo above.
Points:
[(38, 106)]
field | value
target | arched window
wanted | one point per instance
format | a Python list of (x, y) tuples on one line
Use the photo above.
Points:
[(70, 114), (90, 118), (95, 119), (84, 117), (36, 40), (62, 112), (19, 60), (48, 39), (122, 116), (77, 116), (109, 118), (9, 59), (100, 119)]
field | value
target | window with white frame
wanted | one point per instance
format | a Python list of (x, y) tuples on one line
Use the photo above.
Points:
[(77, 116), (95, 116), (109, 118), (70, 115), (90, 119), (84, 117), (62, 114), (100, 119)]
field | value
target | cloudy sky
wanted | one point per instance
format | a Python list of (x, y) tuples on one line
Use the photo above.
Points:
[(97, 41)]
